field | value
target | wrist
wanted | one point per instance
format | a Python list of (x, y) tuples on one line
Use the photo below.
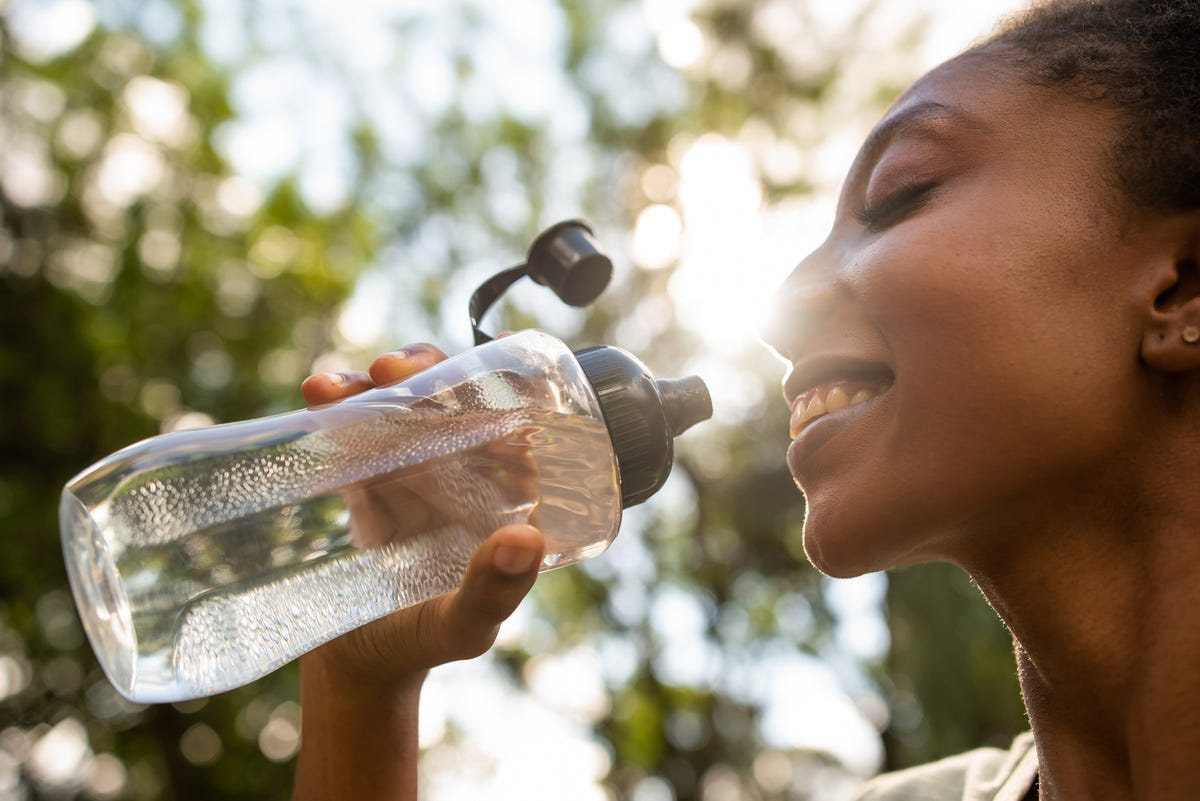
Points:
[(358, 738), (329, 670)]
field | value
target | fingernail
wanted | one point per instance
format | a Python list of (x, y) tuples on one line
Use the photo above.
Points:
[(399, 354), (513, 560), (337, 379)]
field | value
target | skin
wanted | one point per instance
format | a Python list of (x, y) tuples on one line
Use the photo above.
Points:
[(1036, 430), (1010, 254)]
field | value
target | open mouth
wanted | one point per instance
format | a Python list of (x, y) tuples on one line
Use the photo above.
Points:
[(834, 395)]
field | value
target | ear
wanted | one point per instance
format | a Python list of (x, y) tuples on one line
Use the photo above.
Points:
[(1171, 339)]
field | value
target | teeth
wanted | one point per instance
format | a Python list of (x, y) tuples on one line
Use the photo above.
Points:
[(834, 400), (815, 408)]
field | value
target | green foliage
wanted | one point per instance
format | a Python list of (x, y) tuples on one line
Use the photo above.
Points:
[(951, 668), (133, 308), (123, 313)]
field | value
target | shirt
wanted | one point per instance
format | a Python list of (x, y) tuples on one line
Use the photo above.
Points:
[(985, 774)]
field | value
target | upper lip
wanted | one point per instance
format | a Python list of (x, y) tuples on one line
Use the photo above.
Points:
[(813, 371)]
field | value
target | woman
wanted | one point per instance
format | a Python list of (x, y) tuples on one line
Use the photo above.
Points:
[(1011, 293)]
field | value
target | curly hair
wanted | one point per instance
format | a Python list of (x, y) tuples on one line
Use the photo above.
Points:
[(1138, 56)]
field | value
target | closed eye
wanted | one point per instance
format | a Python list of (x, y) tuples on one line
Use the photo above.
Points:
[(896, 206)]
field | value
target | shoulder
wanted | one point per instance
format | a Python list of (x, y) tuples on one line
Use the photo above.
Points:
[(985, 774)]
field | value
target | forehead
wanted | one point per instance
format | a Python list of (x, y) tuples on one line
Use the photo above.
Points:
[(983, 91), (980, 105)]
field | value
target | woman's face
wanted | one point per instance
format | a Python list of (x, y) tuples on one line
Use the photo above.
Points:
[(972, 304)]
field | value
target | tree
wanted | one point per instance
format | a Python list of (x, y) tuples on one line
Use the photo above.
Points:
[(163, 268), (145, 287)]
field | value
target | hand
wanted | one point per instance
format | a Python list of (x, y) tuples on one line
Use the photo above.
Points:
[(360, 692), (398, 649)]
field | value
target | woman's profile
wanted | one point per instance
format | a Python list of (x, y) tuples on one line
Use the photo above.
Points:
[(995, 362)]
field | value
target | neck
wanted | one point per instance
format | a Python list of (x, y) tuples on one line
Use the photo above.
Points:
[(1103, 601)]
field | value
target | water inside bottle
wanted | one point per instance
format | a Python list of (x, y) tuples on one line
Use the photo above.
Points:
[(212, 569)]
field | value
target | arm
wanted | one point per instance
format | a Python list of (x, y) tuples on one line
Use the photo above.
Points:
[(357, 743)]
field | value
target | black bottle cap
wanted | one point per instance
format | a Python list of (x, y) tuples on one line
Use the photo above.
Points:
[(643, 416)]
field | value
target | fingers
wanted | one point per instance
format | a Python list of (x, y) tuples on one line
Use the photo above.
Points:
[(500, 574), (329, 387), (387, 369), (400, 364)]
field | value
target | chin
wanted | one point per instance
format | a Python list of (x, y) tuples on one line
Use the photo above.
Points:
[(836, 559), (843, 549)]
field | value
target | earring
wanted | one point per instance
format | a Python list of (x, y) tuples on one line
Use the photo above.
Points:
[(1191, 335)]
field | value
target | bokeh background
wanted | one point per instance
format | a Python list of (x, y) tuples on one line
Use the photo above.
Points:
[(202, 201)]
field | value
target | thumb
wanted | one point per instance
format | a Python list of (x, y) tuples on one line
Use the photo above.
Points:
[(499, 575)]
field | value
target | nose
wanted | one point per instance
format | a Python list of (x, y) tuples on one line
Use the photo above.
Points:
[(803, 302)]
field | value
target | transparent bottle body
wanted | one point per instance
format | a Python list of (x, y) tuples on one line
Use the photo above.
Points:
[(202, 560)]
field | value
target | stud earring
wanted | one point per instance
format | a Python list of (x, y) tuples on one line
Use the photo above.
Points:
[(1191, 335)]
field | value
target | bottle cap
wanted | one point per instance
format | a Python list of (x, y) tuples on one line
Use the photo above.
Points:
[(643, 416), (567, 259)]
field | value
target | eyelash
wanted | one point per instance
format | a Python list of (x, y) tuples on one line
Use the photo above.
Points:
[(895, 207)]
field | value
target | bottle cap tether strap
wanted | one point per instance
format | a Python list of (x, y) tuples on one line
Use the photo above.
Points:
[(565, 257)]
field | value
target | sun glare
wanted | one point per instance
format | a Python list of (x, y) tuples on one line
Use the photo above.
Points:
[(729, 246), (657, 237), (722, 275)]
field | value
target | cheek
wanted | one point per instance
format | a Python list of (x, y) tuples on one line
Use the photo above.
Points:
[(999, 295), (1008, 379), (1009, 332)]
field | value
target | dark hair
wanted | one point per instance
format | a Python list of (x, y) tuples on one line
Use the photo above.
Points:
[(1138, 56)]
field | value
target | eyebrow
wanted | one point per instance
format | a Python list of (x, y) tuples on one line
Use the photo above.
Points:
[(914, 118)]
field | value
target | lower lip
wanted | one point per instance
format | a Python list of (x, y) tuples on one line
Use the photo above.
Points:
[(814, 435)]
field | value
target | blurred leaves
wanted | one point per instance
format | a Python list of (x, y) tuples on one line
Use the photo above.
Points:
[(176, 250), (144, 287)]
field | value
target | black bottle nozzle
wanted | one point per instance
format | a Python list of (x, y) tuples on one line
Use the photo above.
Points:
[(643, 416), (686, 402)]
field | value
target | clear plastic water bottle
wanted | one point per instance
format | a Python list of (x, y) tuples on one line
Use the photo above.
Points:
[(202, 560)]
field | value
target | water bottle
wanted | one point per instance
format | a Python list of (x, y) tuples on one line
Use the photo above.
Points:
[(201, 560)]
